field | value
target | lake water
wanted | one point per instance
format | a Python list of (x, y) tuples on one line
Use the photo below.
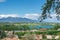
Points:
[(38, 27)]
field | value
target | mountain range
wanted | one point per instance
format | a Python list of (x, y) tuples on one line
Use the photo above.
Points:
[(16, 19), (20, 19)]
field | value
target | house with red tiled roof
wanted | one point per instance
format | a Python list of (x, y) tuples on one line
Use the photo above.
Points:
[(43, 29)]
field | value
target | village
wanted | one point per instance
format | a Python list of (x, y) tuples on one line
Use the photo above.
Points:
[(32, 36)]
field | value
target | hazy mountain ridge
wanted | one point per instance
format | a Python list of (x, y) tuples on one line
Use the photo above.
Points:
[(16, 19)]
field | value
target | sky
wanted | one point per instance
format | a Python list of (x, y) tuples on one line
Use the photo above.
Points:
[(22, 8)]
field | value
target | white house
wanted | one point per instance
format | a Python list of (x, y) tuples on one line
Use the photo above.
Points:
[(56, 37), (49, 36)]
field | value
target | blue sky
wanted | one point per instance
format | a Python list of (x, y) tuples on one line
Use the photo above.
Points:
[(21, 6)]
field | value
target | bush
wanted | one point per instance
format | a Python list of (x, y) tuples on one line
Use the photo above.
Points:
[(20, 34), (2, 34)]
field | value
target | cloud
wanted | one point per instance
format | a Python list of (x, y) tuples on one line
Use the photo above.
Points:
[(53, 19), (29, 16), (32, 16), (36, 16), (2, 0), (8, 15)]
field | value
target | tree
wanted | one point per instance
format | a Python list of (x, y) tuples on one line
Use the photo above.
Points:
[(2, 34), (24, 27), (57, 26), (50, 4)]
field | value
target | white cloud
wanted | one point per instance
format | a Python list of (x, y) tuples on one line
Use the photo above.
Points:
[(8, 15), (29, 16), (36, 16), (32, 16), (53, 19), (53, 15), (2, 0)]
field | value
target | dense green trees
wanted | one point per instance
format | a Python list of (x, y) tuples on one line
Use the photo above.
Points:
[(14, 27), (24, 27)]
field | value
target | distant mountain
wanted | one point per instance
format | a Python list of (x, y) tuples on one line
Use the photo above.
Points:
[(16, 19)]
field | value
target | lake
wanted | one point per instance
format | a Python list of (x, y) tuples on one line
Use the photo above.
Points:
[(38, 27)]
